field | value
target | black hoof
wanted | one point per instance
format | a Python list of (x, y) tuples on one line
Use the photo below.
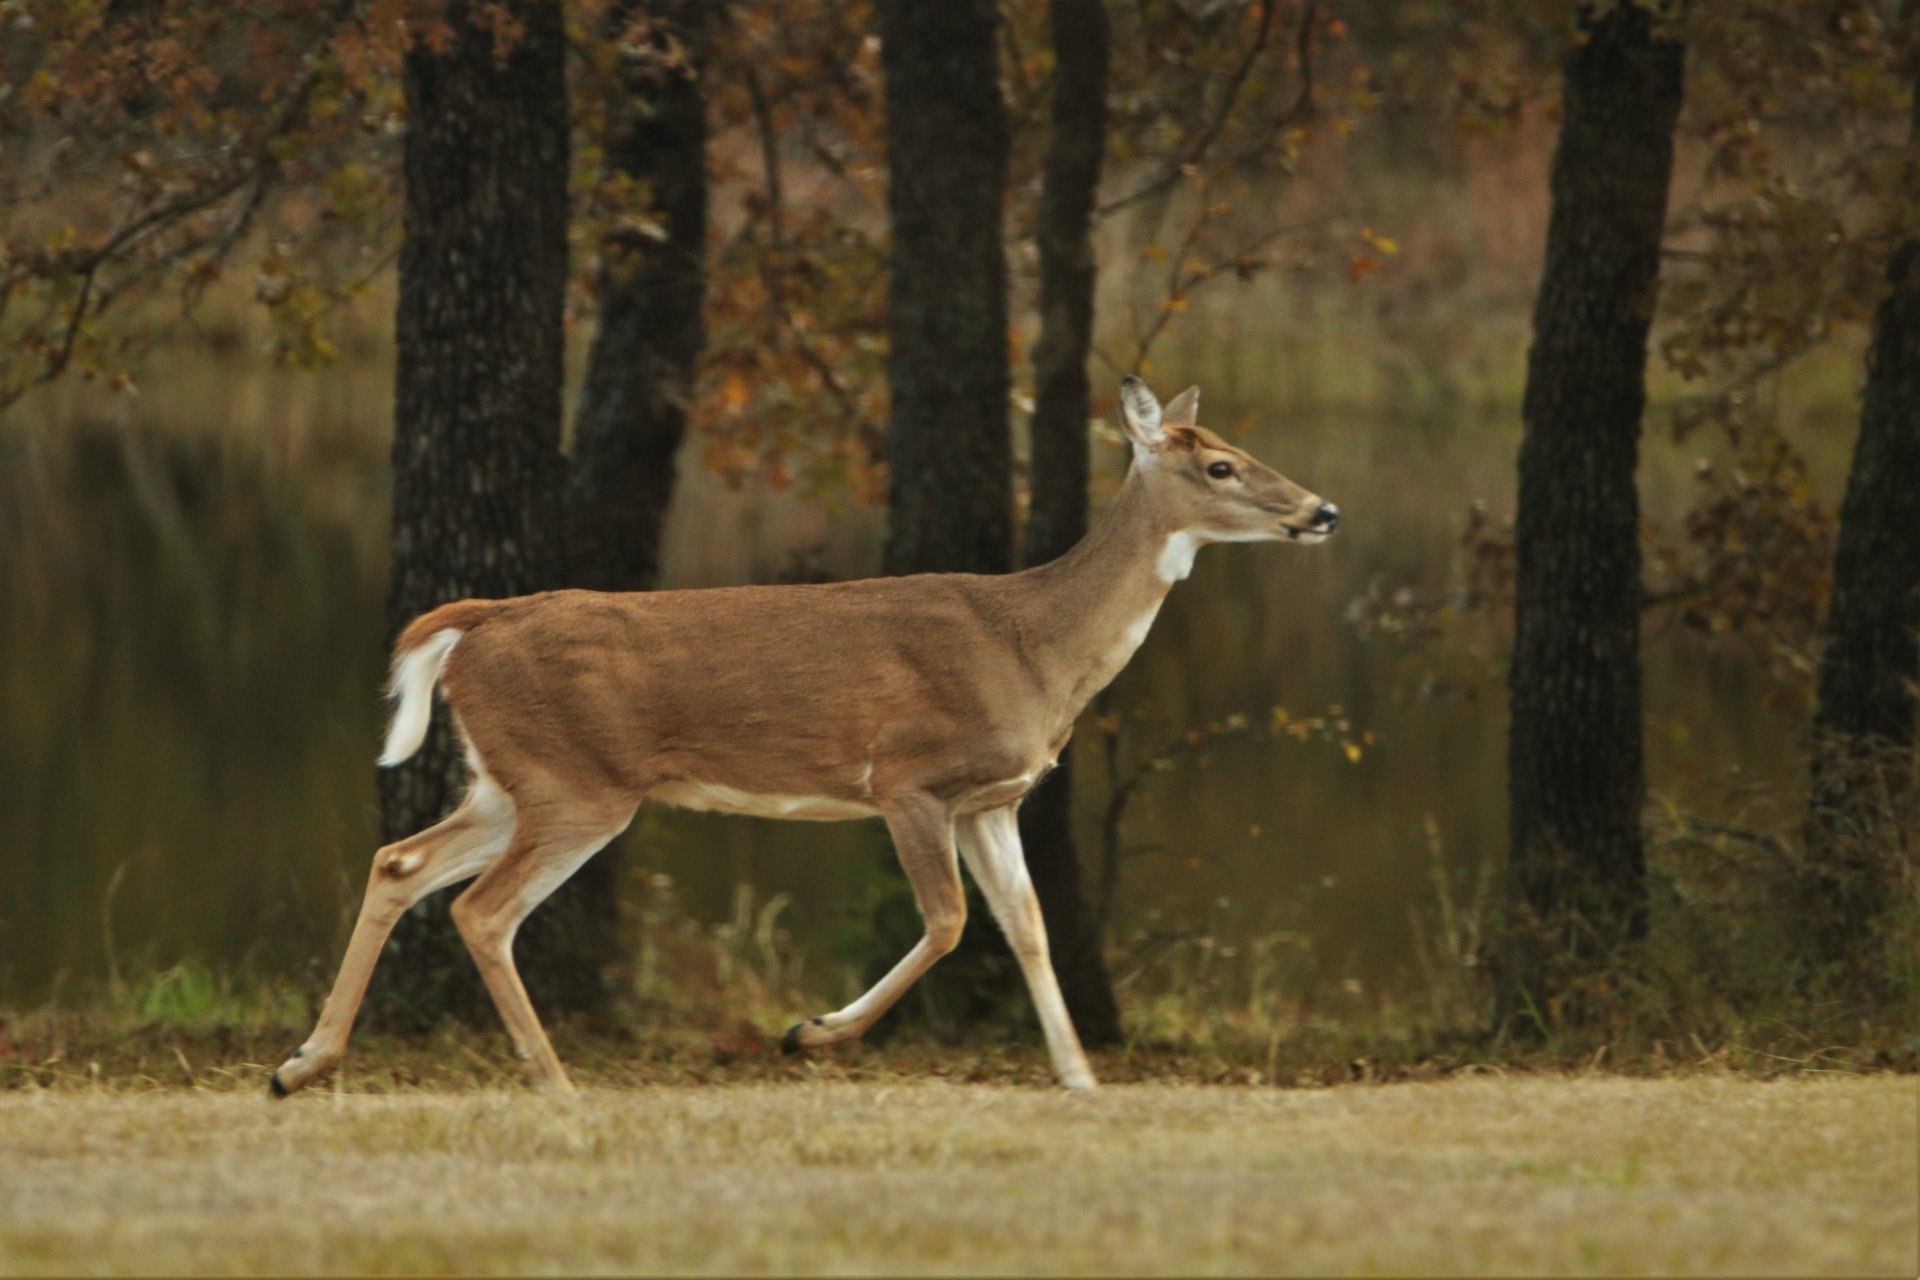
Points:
[(790, 1042), (275, 1089)]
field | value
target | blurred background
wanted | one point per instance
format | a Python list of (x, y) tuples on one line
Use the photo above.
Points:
[(1310, 748)]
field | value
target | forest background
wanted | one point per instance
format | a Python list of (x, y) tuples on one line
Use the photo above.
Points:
[(1291, 812)]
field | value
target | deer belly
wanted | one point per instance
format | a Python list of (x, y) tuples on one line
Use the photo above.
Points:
[(717, 798)]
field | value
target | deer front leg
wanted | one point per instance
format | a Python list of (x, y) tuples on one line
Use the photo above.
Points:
[(990, 843), (922, 830)]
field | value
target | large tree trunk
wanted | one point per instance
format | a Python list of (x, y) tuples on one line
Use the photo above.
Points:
[(949, 445), (1577, 870), (476, 462), (1860, 812), (950, 496), (639, 382), (1057, 515)]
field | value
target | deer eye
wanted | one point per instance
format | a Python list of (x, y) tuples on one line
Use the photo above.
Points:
[(1220, 470)]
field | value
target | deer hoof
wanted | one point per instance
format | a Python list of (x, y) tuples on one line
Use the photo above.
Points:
[(791, 1043)]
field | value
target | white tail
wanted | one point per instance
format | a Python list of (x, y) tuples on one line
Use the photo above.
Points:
[(934, 702), (415, 673)]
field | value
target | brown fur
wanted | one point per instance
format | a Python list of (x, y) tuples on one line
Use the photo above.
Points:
[(936, 701), (461, 615)]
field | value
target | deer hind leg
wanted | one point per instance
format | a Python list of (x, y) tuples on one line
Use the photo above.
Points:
[(922, 830), (456, 848), (990, 845), (553, 841)]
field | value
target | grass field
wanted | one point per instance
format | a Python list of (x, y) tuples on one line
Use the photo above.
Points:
[(1707, 1174)]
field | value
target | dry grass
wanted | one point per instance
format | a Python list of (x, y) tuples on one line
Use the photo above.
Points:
[(1708, 1174)]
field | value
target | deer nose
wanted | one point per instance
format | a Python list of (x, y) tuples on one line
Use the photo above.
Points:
[(1326, 517)]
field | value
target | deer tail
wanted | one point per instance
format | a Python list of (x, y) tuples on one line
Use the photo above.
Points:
[(419, 658)]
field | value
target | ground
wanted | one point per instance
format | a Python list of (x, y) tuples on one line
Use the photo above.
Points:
[(1703, 1174)]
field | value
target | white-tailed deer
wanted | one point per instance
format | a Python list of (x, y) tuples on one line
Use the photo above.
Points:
[(935, 702)]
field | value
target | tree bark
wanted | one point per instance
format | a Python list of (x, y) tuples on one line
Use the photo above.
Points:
[(639, 382), (950, 486), (949, 443), (632, 413), (1577, 870), (476, 461), (1859, 817), (1057, 514)]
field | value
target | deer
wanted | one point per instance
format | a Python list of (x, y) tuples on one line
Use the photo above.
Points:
[(935, 702)]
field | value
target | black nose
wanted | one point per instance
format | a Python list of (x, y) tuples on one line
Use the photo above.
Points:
[(1326, 517)]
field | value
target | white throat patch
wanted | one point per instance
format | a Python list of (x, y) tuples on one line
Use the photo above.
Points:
[(1176, 557)]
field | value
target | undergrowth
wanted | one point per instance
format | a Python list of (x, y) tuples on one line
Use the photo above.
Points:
[(1709, 990)]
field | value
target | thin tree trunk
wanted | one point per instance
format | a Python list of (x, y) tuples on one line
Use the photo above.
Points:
[(476, 463), (1860, 811), (950, 494), (639, 381), (1577, 869), (1057, 515)]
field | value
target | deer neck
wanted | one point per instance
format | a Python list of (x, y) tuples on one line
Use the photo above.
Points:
[(1091, 609)]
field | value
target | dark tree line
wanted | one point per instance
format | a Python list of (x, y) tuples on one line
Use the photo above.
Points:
[(1577, 884), (486, 504), (950, 502), (465, 408)]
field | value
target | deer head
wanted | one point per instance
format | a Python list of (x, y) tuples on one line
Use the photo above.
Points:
[(1208, 490)]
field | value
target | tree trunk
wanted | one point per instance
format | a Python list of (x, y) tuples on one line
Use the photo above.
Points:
[(476, 462), (949, 446), (1859, 816), (641, 369), (640, 374), (1577, 869), (1057, 515), (950, 494)]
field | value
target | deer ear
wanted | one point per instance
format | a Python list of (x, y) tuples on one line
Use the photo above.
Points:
[(1183, 411), (1142, 414)]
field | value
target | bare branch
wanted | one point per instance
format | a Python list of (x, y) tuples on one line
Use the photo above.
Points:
[(259, 168), (1182, 283), (1196, 150), (1027, 96), (771, 265), (65, 353)]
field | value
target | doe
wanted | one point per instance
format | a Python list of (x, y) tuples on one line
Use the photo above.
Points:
[(936, 702)]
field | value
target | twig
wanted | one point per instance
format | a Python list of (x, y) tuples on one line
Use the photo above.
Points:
[(770, 267), (1184, 287), (1196, 150), (1023, 89), (90, 265), (1690, 824), (260, 168), (775, 206)]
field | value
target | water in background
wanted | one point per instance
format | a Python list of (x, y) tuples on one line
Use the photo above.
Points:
[(191, 590)]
